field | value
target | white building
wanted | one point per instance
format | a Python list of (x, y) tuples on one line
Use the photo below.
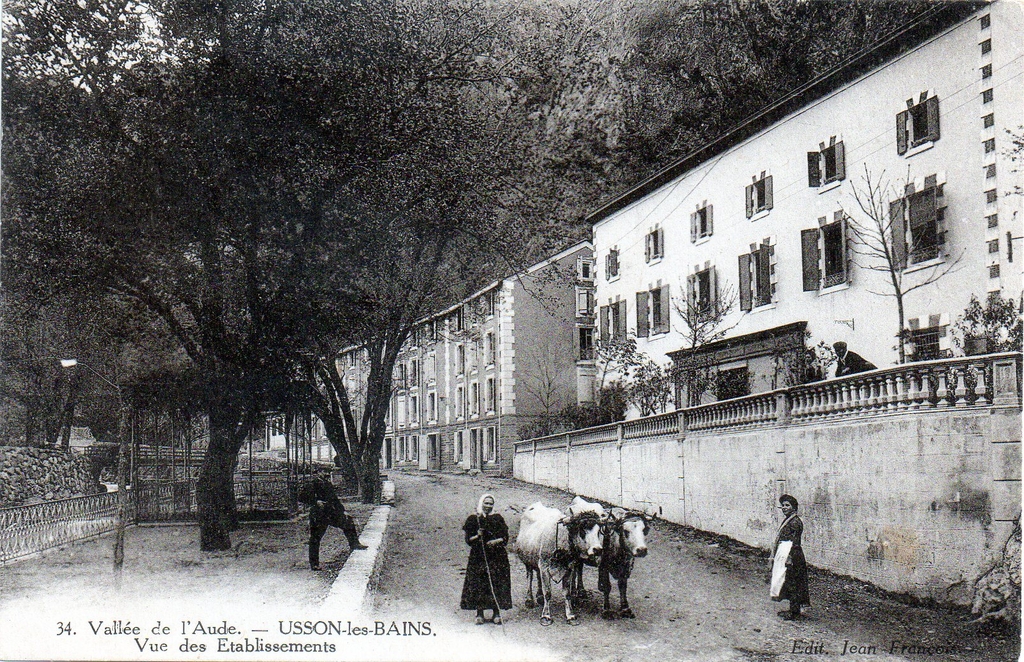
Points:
[(765, 211)]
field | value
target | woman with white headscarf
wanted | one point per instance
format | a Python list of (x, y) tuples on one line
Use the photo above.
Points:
[(488, 582)]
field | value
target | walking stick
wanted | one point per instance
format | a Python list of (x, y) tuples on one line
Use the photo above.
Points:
[(490, 582)]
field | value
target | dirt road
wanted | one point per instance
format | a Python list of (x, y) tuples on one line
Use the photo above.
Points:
[(695, 597)]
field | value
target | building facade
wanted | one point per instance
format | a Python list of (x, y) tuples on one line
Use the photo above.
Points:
[(765, 226), (477, 376)]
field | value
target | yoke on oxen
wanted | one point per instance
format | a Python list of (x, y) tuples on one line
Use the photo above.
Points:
[(625, 541)]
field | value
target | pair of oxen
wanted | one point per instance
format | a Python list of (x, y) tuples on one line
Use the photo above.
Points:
[(555, 547)]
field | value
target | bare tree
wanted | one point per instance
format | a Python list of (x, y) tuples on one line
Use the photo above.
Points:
[(884, 237), (704, 321)]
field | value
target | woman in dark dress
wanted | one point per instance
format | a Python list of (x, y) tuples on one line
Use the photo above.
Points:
[(488, 582), (794, 566)]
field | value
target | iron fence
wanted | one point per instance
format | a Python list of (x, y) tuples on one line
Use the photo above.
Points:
[(26, 530)]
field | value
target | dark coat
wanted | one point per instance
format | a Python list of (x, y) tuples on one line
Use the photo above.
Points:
[(480, 575), (853, 363), (794, 588)]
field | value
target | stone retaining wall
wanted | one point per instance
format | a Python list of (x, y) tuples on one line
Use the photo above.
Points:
[(30, 475)]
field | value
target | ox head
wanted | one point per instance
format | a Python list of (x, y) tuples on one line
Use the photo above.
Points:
[(586, 534), (635, 526)]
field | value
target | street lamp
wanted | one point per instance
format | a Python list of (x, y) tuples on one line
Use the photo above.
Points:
[(122, 452)]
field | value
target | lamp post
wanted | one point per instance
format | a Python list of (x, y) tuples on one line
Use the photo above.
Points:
[(122, 452)]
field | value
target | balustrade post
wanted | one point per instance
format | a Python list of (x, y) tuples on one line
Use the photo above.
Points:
[(782, 407), (889, 388), (960, 392), (901, 392), (942, 392), (980, 387)]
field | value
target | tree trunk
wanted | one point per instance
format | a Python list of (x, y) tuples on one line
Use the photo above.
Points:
[(901, 337), (369, 475), (215, 493), (343, 457)]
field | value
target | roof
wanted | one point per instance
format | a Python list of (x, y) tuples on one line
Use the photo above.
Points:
[(926, 25)]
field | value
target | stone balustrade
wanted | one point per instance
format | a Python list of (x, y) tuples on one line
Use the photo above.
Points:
[(973, 381)]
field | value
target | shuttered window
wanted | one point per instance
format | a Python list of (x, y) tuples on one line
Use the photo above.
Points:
[(918, 124), (703, 291), (611, 264), (702, 223), (823, 253), (654, 245), (916, 221), (755, 276), (759, 196), (827, 165)]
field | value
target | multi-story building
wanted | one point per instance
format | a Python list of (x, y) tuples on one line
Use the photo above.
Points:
[(475, 377), (765, 217)]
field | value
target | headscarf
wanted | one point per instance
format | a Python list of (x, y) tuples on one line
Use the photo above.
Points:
[(480, 504)]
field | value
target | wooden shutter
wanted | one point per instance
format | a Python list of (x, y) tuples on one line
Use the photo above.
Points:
[(840, 161), (666, 311), (641, 315), (768, 204), (604, 323), (810, 255), (750, 200), (620, 321), (608, 266), (745, 298), (932, 108), (691, 291), (660, 237), (898, 228), (647, 247), (813, 169), (846, 257), (693, 227), (714, 288), (764, 278), (901, 132), (711, 219)]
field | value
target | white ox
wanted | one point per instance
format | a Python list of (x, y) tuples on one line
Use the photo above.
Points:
[(550, 543), (625, 539)]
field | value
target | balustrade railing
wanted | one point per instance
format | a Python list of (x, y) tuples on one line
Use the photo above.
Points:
[(964, 382), (26, 530), (651, 426)]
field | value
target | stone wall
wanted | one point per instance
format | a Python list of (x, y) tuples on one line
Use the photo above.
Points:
[(917, 495), (29, 475)]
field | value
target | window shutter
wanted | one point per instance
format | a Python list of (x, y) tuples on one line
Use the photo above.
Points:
[(641, 315), (810, 254), (647, 247), (745, 299), (932, 108), (768, 192), (840, 161), (608, 266), (620, 327), (764, 278), (666, 311), (604, 323), (899, 233), (661, 242), (691, 291), (693, 227), (901, 132), (711, 219), (846, 250), (813, 169), (714, 288), (750, 200)]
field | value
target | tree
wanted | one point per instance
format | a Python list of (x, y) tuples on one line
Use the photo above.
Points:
[(995, 327), (880, 232), (650, 387), (705, 321)]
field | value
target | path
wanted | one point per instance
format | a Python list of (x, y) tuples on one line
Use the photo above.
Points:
[(696, 597)]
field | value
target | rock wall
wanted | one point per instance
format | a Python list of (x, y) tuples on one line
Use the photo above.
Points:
[(29, 475)]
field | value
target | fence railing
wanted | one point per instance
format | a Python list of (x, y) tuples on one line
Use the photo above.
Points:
[(26, 530), (974, 381)]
